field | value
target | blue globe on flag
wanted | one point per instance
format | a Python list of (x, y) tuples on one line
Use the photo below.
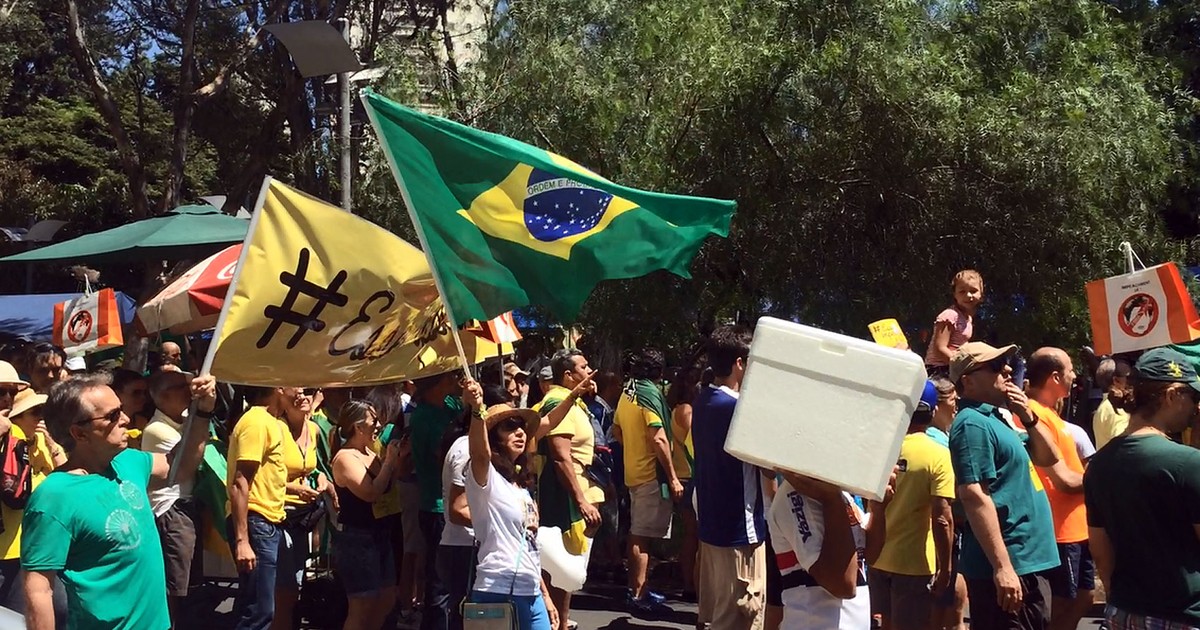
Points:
[(557, 207)]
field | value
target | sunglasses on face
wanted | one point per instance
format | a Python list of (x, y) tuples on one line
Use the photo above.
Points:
[(110, 417), (9, 391), (996, 365), (310, 392), (512, 424)]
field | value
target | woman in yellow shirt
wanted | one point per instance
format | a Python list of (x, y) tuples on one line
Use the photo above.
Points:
[(304, 490), (44, 456)]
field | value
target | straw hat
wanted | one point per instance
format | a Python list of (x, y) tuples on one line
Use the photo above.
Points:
[(8, 374), (25, 400), (499, 413)]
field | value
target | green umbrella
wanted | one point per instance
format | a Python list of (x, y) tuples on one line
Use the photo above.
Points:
[(185, 232)]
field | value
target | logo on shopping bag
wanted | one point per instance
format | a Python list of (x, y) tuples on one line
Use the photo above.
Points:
[(1138, 315), (79, 327)]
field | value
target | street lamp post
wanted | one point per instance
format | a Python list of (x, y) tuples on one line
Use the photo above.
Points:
[(318, 49)]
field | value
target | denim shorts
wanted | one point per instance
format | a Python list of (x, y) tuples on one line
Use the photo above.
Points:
[(363, 560)]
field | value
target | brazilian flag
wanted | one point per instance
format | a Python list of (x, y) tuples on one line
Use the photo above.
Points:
[(506, 224)]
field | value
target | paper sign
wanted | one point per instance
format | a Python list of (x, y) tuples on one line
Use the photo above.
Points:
[(886, 332), (1141, 310)]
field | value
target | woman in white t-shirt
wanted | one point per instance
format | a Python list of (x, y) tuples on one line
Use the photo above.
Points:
[(823, 542), (502, 511)]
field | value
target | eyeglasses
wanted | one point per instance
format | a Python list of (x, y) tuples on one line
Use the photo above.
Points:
[(110, 417)]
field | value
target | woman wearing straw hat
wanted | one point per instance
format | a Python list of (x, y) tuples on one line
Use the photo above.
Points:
[(502, 511), (44, 456)]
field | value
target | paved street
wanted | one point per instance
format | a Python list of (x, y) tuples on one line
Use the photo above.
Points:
[(600, 607)]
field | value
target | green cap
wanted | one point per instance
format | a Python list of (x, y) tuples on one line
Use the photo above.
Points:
[(1168, 366)]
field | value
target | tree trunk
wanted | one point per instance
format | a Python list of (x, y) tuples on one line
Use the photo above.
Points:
[(131, 163), (185, 106)]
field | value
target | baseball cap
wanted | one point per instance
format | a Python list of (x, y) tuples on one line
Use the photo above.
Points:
[(512, 369), (1168, 366), (974, 355), (929, 397)]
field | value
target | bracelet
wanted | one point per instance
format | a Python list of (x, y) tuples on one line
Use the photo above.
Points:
[(204, 415)]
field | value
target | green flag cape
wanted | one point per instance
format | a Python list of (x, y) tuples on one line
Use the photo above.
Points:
[(556, 506), (506, 224)]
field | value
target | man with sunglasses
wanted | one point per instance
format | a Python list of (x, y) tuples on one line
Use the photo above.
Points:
[(90, 521), (1010, 539)]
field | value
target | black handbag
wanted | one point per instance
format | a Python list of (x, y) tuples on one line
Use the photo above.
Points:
[(306, 516)]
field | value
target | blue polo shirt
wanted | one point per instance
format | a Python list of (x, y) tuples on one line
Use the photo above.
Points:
[(985, 449), (729, 502)]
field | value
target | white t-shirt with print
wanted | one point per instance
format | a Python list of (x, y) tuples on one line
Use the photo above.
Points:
[(797, 527), (505, 519), (454, 474)]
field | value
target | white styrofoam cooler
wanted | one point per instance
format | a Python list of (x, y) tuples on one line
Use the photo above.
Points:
[(825, 405)]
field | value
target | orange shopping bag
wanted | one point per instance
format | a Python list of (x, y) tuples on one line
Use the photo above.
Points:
[(1140, 310), (88, 323)]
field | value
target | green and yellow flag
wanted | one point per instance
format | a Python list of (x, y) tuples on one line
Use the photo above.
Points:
[(506, 224)]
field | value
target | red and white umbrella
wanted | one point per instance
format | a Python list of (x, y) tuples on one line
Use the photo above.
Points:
[(193, 301)]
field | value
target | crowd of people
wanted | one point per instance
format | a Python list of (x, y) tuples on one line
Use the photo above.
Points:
[(452, 499)]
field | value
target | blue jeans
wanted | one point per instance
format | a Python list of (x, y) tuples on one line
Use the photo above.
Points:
[(454, 565), (435, 614), (254, 607), (531, 610)]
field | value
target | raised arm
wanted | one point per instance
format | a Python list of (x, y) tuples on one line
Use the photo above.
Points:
[(551, 420), (187, 455), (477, 437)]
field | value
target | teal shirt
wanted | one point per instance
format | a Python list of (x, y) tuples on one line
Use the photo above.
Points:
[(98, 533), (939, 436), (984, 449), (428, 424)]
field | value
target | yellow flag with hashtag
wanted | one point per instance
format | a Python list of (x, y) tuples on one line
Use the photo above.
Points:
[(322, 297)]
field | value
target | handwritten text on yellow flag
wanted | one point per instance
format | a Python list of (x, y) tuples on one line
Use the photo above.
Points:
[(324, 297)]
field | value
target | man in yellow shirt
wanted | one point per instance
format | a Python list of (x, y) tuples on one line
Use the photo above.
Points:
[(257, 484), (570, 448), (914, 564), (643, 428)]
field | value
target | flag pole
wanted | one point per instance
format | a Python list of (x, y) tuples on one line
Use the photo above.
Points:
[(420, 230), (206, 366)]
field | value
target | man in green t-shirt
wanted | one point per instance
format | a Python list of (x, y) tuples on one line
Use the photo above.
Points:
[(1009, 541), (105, 549), (1142, 493), (437, 405)]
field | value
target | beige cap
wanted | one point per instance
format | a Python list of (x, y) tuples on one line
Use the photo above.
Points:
[(512, 369), (973, 355), (25, 400), (8, 374)]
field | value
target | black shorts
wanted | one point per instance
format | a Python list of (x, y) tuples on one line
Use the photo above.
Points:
[(774, 578), (1076, 571), (986, 614)]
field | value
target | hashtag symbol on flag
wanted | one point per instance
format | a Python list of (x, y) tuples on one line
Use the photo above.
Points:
[(286, 312)]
